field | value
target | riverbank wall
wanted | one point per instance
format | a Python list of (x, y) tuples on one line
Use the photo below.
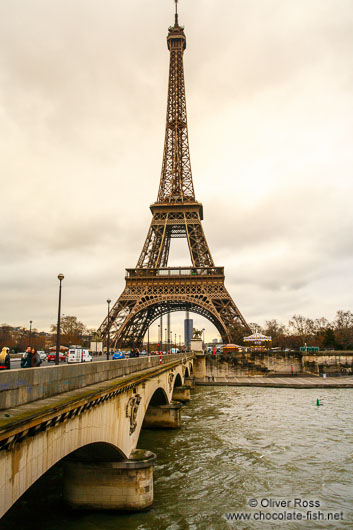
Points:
[(220, 367)]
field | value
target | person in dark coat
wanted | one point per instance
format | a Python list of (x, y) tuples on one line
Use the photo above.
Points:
[(26, 358), (35, 358), (5, 359)]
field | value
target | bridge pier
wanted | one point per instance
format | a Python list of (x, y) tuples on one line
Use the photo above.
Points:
[(163, 417), (125, 485), (189, 382), (181, 393), (200, 367)]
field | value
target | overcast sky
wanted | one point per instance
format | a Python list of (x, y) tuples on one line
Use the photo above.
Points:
[(83, 88)]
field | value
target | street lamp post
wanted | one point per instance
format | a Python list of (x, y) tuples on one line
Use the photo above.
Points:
[(60, 278), (30, 332), (175, 342), (148, 340), (108, 335)]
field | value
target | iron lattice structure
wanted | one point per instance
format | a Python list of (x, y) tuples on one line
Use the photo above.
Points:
[(152, 288)]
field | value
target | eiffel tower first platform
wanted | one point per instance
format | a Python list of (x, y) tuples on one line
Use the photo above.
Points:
[(152, 288)]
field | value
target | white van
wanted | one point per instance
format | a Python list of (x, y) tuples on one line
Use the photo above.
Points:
[(79, 355)]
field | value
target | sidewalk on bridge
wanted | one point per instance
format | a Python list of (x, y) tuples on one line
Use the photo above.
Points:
[(278, 382)]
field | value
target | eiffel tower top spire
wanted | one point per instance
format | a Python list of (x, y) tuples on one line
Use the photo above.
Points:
[(176, 13), (176, 178)]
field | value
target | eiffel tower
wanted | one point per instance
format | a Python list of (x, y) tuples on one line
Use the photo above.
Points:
[(152, 288)]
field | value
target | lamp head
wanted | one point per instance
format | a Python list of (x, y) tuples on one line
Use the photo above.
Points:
[(60, 276)]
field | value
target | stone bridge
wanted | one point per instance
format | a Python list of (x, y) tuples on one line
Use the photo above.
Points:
[(90, 416)]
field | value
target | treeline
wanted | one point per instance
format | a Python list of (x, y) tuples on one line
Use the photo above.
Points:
[(300, 330), (18, 338), (71, 329)]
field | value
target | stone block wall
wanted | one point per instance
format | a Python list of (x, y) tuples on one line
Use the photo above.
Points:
[(222, 367), (337, 364)]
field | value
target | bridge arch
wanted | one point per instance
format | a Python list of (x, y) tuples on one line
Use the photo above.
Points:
[(159, 397), (151, 308), (96, 452), (177, 381)]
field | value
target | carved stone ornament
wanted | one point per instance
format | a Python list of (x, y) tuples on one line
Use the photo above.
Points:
[(131, 411), (170, 381)]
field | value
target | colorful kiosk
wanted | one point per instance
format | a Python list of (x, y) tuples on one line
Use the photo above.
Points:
[(232, 348), (258, 342)]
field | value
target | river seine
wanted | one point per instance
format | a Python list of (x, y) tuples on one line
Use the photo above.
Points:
[(270, 453)]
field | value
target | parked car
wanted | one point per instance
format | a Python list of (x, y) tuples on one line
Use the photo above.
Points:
[(42, 355), (118, 355), (52, 357)]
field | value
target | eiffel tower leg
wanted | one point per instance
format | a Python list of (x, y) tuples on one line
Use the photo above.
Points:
[(152, 247), (118, 315), (230, 314), (199, 251)]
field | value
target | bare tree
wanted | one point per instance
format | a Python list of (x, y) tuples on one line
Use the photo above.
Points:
[(343, 329), (71, 329), (302, 327), (255, 328), (276, 331)]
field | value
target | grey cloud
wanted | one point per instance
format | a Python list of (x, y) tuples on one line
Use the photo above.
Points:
[(82, 104)]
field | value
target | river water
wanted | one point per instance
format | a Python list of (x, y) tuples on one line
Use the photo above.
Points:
[(235, 444)]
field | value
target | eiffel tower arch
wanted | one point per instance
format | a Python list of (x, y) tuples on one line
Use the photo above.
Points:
[(152, 288)]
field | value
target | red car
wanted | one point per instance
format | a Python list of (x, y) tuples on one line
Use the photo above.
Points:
[(52, 357)]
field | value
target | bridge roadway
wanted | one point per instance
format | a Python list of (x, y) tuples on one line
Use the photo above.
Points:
[(90, 416)]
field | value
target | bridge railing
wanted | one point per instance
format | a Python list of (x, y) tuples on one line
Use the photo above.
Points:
[(24, 385)]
